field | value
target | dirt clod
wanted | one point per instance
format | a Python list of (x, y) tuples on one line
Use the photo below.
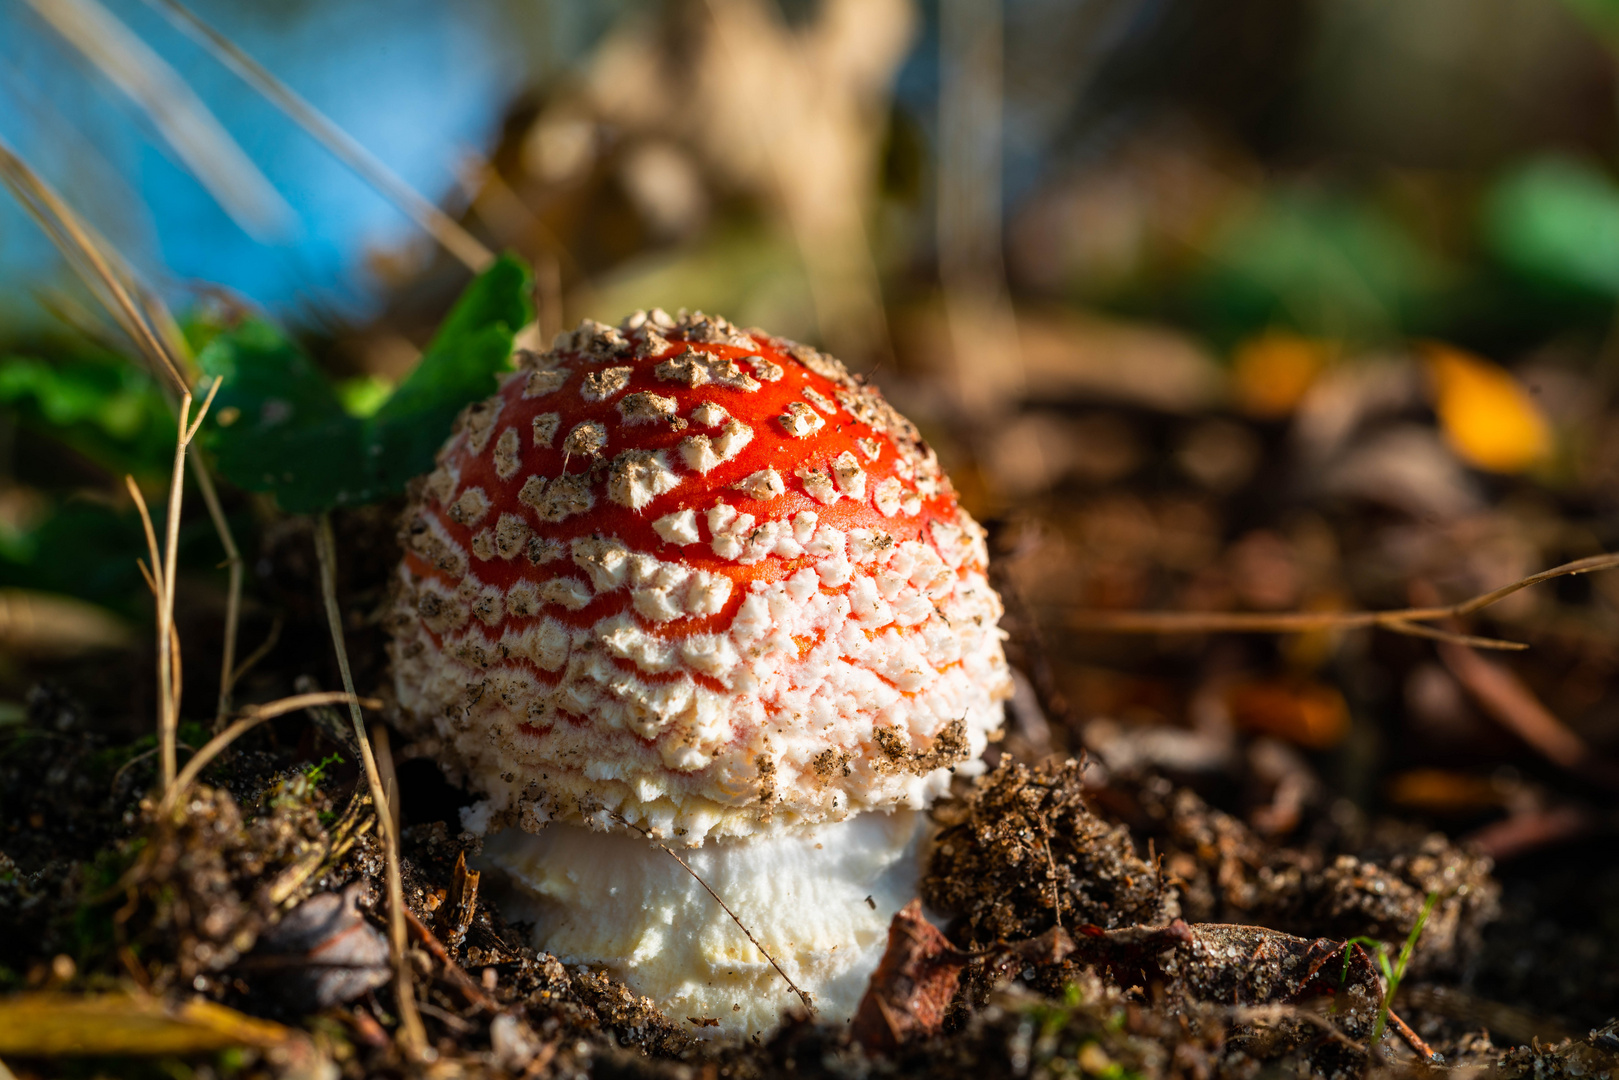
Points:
[(1025, 852)]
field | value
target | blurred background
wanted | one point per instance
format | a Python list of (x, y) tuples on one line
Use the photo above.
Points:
[(1248, 305)]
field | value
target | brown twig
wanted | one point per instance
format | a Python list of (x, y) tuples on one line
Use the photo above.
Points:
[(252, 659), (1507, 698), (413, 1036), (456, 973), (1056, 894), (809, 1002), (1412, 1039), (233, 593), (1399, 620)]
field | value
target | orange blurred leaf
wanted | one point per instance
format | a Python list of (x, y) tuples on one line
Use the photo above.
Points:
[(1309, 714), (1443, 791), (1273, 371), (1486, 414)]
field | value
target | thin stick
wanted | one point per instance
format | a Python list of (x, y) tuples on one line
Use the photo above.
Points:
[(136, 760), (809, 1002), (456, 973), (168, 716), (1056, 894), (252, 716), (168, 644), (413, 1036), (1451, 637), (1412, 1039), (1507, 698), (207, 403), (252, 659), (1398, 620), (343, 146)]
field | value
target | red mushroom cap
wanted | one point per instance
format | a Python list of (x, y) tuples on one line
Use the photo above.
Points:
[(703, 578)]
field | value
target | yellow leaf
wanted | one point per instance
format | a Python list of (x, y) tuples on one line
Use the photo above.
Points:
[(1487, 416), (50, 1024), (1273, 371)]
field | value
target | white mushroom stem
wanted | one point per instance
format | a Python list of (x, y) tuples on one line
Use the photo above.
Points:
[(819, 900)]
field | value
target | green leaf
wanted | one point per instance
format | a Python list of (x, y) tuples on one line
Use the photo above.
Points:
[(109, 411), (459, 366), (1556, 221), (363, 395), (82, 549), (280, 427), (1601, 15), (1323, 263), (277, 425)]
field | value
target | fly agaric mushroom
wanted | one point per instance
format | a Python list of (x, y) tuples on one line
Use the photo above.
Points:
[(706, 584)]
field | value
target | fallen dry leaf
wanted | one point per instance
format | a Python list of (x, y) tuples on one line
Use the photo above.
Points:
[(1487, 416), (912, 986), (51, 1024)]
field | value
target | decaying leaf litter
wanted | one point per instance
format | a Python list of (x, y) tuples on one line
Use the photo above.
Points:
[(1177, 903)]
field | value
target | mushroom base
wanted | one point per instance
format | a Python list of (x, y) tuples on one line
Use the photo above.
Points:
[(819, 900)]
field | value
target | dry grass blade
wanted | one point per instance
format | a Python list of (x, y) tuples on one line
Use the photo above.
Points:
[(343, 146), (228, 673), (252, 716), (252, 659), (1590, 564), (1398, 620), (1451, 637), (182, 118), (168, 698), (161, 579), (91, 259), (155, 335), (151, 536), (412, 1035), (803, 995)]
